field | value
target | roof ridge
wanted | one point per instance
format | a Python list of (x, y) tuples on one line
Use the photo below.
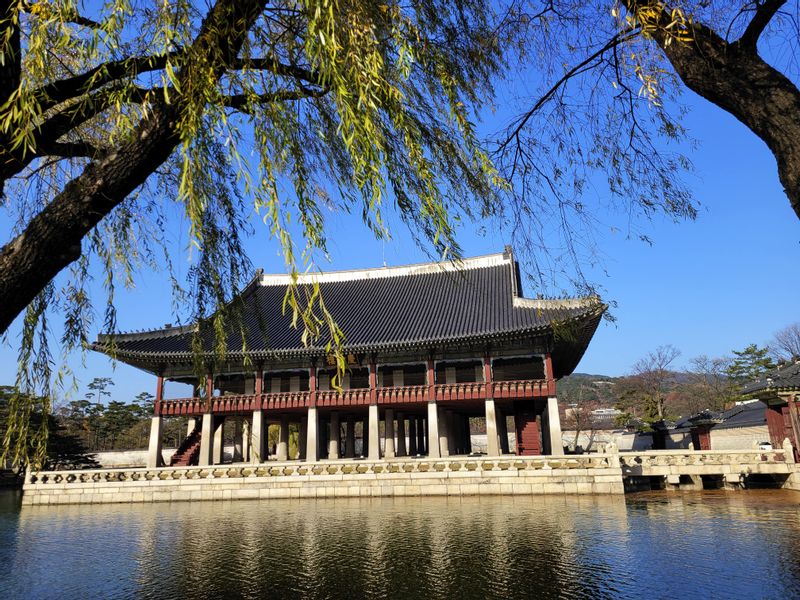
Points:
[(455, 265), (554, 303)]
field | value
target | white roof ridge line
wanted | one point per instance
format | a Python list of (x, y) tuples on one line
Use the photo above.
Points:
[(475, 262)]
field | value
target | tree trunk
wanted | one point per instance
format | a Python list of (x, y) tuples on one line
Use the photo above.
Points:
[(52, 239), (734, 77)]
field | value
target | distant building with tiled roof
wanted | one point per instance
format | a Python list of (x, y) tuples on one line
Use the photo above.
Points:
[(779, 389)]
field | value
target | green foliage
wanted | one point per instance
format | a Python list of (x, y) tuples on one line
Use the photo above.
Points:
[(326, 107), (64, 449), (749, 364)]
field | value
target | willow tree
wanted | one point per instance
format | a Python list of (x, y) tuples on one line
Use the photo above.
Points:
[(600, 128), (235, 111)]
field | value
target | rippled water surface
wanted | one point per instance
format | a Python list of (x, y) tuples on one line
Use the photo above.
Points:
[(657, 545)]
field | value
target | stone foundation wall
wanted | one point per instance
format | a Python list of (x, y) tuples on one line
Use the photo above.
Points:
[(793, 482), (449, 477)]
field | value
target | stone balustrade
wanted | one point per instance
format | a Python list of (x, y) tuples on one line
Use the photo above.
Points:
[(461, 475), (325, 468), (707, 462), (589, 474)]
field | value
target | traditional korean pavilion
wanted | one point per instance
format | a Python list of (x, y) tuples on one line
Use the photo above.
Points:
[(428, 347), (779, 389)]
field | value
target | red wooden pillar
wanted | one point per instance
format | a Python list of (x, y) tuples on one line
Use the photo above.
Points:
[(487, 375), (209, 390), (431, 380), (373, 382), (159, 394), (548, 373), (312, 385), (258, 386)]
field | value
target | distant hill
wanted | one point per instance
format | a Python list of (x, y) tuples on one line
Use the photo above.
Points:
[(585, 387)]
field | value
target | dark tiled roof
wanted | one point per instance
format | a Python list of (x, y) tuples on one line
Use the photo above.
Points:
[(786, 378), (745, 414), (748, 414), (391, 309)]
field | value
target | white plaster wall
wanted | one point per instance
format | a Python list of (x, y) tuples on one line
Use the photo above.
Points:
[(738, 438)]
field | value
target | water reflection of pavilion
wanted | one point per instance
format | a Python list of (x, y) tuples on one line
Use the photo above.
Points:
[(429, 347)]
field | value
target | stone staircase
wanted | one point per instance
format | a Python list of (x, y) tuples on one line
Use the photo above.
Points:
[(188, 452)]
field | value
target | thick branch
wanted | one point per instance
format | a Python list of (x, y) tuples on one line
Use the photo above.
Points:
[(62, 90), (54, 93), (52, 239), (744, 85), (50, 131), (242, 101), (764, 14)]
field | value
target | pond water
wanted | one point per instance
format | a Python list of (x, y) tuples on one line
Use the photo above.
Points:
[(655, 545)]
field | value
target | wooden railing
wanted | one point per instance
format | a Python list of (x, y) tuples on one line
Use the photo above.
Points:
[(406, 394), (354, 397), (409, 394)]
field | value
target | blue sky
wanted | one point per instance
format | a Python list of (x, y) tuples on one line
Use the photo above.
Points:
[(707, 287)]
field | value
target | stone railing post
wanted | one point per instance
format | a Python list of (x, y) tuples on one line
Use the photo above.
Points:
[(788, 451), (612, 450)]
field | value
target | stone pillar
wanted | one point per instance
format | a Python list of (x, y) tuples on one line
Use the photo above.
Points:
[(388, 444), (420, 435), (245, 440), (258, 438), (350, 438), (433, 430), (401, 434), (219, 442), (492, 445), (444, 439), (502, 432), (788, 450), (190, 425), (365, 437), (206, 441), (282, 450), (237, 440), (154, 456), (412, 436), (311, 435), (333, 438), (374, 442), (554, 426)]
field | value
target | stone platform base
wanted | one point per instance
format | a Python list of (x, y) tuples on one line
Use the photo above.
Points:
[(596, 474), (793, 482)]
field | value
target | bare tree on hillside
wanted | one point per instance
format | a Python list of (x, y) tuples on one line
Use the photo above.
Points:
[(709, 386), (646, 386), (785, 345), (578, 417)]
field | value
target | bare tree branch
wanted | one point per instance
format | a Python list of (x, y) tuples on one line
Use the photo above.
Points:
[(764, 14)]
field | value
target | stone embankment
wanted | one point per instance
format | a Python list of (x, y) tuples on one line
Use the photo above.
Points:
[(452, 476), (592, 474)]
